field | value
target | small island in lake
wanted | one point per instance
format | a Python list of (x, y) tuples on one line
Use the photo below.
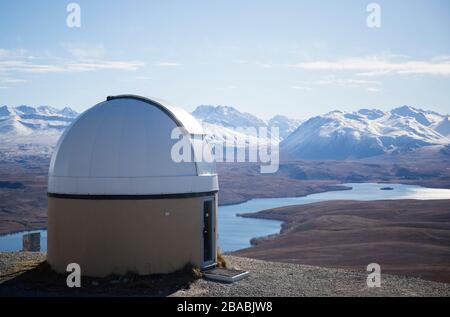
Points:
[(387, 188)]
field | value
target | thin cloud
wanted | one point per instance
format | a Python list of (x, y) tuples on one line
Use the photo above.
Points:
[(40, 68), (441, 58), (255, 63), (377, 66), (5, 53), (84, 51), (332, 80), (168, 64), (12, 80), (345, 82), (305, 88), (143, 78), (15, 65), (89, 66), (22, 61), (373, 89)]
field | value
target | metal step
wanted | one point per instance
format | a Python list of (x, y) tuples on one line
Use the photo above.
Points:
[(225, 275)]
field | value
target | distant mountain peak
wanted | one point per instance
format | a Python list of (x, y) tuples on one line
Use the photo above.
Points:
[(424, 117), (443, 127), (6, 111), (230, 117), (226, 116), (285, 125), (335, 112), (69, 112), (25, 119), (371, 114), (26, 109)]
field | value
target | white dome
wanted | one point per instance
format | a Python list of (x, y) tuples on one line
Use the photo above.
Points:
[(122, 146)]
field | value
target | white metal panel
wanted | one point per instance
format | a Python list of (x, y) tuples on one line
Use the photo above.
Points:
[(107, 146), (122, 146), (132, 185)]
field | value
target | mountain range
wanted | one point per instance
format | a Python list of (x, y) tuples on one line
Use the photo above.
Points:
[(364, 133), (230, 118), (336, 135), (25, 120)]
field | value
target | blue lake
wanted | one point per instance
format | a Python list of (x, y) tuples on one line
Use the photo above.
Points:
[(13, 242), (236, 232)]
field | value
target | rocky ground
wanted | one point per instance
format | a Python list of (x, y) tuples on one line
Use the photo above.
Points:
[(284, 279), (25, 274)]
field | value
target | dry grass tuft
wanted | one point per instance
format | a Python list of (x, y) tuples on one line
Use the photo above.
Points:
[(221, 262)]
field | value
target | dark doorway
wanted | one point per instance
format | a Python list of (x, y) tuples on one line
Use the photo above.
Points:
[(208, 231)]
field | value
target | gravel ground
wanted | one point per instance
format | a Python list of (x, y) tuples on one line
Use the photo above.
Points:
[(266, 279), (284, 279), (15, 263)]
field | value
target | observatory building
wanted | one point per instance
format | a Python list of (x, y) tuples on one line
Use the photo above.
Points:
[(117, 200)]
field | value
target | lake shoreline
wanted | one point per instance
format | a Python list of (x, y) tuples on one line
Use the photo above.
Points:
[(22, 231), (336, 187)]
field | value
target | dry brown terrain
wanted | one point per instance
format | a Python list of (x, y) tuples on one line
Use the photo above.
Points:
[(406, 237), (23, 194)]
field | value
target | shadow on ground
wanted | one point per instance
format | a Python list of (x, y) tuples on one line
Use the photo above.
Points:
[(43, 281)]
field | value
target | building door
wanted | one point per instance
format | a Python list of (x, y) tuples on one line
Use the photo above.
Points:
[(208, 232)]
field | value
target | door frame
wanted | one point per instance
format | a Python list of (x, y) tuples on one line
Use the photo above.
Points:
[(207, 264)]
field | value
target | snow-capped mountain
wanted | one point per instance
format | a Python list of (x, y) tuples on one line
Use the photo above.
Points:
[(26, 130), (285, 125), (225, 120), (443, 127), (365, 133), (424, 117), (227, 117), (335, 135), (25, 120), (227, 129)]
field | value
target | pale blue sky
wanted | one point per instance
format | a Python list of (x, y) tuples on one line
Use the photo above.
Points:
[(297, 58)]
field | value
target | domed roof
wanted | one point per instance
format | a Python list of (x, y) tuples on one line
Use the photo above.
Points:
[(122, 146)]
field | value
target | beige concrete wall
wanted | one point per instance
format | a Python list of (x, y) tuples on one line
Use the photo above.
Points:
[(117, 236)]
